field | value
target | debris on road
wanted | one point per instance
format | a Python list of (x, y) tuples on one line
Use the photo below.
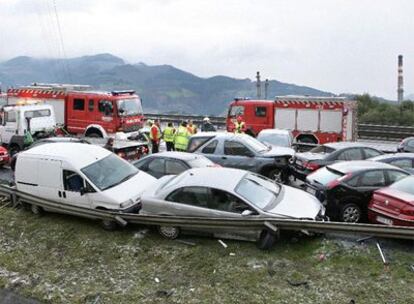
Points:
[(164, 293), (223, 244), (382, 254), (297, 284), (140, 234), (157, 280), (185, 242), (232, 254)]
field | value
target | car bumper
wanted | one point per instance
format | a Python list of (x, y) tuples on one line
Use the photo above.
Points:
[(133, 209), (298, 173), (376, 217)]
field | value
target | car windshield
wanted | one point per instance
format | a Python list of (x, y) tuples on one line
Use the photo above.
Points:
[(404, 185), (200, 162), (257, 190), (280, 140), (130, 106), (322, 149), (255, 144), (109, 172), (324, 176)]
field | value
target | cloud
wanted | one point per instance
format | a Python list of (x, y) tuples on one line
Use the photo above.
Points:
[(339, 46)]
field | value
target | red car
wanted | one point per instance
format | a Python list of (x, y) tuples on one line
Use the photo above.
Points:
[(4, 156), (393, 205)]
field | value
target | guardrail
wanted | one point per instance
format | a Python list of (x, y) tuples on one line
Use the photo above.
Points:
[(365, 131), (244, 223)]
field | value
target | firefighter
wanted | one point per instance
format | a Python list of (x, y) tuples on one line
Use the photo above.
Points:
[(239, 125), (110, 144), (207, 125), (181, 137), (168, 136), (155, 136), (192, 129)]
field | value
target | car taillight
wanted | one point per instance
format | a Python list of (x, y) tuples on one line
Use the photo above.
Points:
[(336, 182), (311, 166), (121, 154), (408, 211)]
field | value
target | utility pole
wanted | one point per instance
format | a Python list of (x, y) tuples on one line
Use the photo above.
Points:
[(266, 87), (400, 89), (259, 91)]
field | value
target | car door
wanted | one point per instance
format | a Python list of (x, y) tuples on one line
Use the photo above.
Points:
[(370, 181), (71, 194), (213, 151), (350, 154), (237, 155), (175, 166), (155, 167), (9, 127)]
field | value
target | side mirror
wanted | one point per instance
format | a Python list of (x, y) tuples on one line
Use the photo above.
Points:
[(83, 191), (247, 212)]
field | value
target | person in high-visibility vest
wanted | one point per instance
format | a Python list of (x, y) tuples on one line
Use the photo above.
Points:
[(155, 136), (191, 128), (181, 137), (239, 125), (168, 136)]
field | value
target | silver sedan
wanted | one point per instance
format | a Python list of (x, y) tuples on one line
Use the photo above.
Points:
[(225, 192)]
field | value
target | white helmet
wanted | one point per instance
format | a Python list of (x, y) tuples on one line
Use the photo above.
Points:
[(206, 119)]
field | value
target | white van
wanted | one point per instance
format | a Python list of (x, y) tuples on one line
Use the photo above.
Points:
[(81, 175)]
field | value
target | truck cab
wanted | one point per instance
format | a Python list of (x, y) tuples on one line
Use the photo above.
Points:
[(17, 122)]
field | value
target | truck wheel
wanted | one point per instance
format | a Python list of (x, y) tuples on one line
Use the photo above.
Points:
[(266, 240), (36, 210), (169, 232), (351, 213), (109, 225), (275, 175)]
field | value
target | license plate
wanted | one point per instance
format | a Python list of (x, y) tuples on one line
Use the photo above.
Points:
[(384, 220), (310, 190)]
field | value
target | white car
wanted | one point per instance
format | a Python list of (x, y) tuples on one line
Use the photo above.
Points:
[(224, 192), (277, 137), (81, 175)]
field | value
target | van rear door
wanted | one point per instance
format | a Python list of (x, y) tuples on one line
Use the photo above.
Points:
[(49, 179)]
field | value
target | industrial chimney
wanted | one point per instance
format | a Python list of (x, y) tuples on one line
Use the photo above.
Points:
[(400, 89), (258, 85)]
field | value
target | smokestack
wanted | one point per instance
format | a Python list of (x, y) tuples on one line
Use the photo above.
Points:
[(259, 91), (266, 87), (400, 89)]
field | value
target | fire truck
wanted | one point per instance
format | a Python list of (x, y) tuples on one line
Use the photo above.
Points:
[(313, 120), (82, 111)]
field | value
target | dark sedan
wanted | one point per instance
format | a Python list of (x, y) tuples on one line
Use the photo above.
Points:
[(346, 188), (171, 163), (307, 162), (401, 160)]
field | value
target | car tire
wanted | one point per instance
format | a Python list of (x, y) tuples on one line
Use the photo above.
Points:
[(275, 175), (169, 232), (109, 225), (267, 240), (350, 213), (36, 210)]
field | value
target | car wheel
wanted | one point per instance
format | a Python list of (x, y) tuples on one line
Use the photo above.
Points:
[(169, 232), (275, 175), (266, 240), (36, 210), (351, 213), (109, 225)]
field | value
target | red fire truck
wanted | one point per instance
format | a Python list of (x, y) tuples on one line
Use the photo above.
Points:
[(83, 111), (314, 120)]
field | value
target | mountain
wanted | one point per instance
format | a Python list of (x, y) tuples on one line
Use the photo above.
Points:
[(163, 88)]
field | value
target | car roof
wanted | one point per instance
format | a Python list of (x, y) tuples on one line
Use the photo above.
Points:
[(185, 156), (77, 154), (275, 131), (219, 134), (392, 156), (345, 144), (360, 165), (207, 177)]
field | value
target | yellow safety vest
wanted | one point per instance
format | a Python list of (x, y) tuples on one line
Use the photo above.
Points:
[(181, 138), (168, 134), (238, 127)]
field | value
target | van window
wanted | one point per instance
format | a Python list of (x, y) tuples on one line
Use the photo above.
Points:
[(78, 104), (10, 116), (90, 105), (72, 181), (106, 107), (37, 113)]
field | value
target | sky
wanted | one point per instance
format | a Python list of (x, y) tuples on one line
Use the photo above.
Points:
[(340, 46)]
